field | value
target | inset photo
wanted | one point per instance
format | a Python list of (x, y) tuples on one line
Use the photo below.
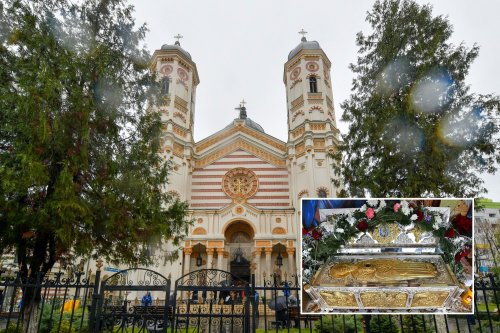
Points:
[(387, 256)]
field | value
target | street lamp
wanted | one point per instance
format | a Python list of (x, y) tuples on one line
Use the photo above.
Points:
[(279, 260), (199, 259)]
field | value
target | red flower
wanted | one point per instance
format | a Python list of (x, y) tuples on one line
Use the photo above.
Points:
[(362, 225), (450, 233), (462, 254), (304, 231), (316, 234), (420, 215), (463, 224), (370, 213)]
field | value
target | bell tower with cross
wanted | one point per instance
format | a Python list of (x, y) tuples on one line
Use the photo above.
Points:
[(312, 128), (178, 78)]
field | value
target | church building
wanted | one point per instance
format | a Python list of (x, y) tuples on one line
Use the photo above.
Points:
[(244, 186)]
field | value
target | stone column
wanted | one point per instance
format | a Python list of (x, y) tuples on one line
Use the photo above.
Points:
[(269, 269), (291, 262), (210, 258), (187, 265), (220, 255), (258, 270), (187, 259)]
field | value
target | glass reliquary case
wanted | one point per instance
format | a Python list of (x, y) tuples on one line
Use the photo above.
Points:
[(393, 268)]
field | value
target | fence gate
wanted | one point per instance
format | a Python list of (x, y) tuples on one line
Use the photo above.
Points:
[(121, 307), (211, 300)]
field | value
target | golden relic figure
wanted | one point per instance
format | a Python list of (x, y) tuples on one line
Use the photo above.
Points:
[(384, 270)]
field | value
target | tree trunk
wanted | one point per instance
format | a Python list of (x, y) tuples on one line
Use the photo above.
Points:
[(30, 314)]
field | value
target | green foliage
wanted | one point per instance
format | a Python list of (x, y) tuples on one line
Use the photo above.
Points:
[(382, 324), (80, 170), (415, 130), (50, 322), (336, 324)]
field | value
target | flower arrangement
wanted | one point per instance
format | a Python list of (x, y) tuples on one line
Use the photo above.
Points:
[(323, 241)]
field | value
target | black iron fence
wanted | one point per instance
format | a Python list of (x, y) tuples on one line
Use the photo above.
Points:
[(203, 301)]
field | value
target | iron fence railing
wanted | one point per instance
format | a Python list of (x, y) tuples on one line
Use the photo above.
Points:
[(79, 303)]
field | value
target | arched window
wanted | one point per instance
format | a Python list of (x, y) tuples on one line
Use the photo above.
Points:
[(165, 85), (313, 84)]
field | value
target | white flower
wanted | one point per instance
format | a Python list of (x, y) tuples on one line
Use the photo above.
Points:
[(339, 230), (405, 208), (329, 227), (381, 206), (435, 226), (414, 217), (438, 219), (372, 203), (351, 220), (363, 208)]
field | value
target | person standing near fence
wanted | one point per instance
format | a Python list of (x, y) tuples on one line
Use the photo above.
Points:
[(146, 299)]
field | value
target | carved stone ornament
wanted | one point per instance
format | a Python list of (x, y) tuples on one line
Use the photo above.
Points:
[(240, 183)]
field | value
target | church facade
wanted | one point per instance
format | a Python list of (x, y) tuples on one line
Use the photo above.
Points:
[(244, 186)]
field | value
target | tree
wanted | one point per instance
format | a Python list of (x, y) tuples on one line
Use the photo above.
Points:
[(415, 130), (80, 169)]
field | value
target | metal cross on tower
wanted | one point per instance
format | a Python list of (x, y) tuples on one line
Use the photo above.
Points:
[(303, 33), (242, 109), (178, 37)]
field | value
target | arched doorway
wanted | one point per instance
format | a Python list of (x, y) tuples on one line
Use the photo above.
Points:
[(239, 240)]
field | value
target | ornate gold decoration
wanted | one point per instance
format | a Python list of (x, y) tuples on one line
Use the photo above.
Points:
[(384, 270), (239, 210), (339, 298), (279, 231), (278, 220), (199, 220), (240, 183), (384, 299), (429, 299), (241, 144), (387, 234), (199, 231)]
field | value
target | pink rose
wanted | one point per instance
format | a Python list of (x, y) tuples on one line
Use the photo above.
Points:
[(396, 207), (370, 213)]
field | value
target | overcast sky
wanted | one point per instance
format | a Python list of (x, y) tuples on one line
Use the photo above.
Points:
[(240, 48)]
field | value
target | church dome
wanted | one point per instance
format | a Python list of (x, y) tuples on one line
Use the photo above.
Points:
[(304, 45), (176, 46), (248, 122)]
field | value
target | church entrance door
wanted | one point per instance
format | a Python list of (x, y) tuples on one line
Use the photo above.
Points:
[(240, 266)]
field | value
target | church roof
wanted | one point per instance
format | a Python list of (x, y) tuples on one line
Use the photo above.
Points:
[(248, 122), (176, 46), (304, 45)]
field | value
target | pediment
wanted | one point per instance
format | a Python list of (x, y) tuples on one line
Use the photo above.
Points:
[(240, 142), (240, 130)]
